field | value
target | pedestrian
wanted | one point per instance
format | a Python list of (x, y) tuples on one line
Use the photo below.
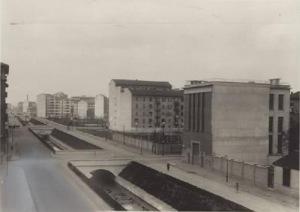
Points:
[(168, 166)]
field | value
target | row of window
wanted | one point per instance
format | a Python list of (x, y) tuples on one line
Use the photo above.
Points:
[(163, 99), (279, 124), (280, 102), (150, 106), (196, 111), (279, 144)]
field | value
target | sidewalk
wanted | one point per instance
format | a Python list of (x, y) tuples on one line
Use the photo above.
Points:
[(244, 185), (252, 201)]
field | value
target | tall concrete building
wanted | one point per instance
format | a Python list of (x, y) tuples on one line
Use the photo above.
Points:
[(101, 107), (90, 103), (82, 109), (3, 112), (144, 106), (53, 106), (234, 119), (29, 108)]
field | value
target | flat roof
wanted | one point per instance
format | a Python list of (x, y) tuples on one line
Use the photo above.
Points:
[(152, 92), (127, 83), (203, 83)]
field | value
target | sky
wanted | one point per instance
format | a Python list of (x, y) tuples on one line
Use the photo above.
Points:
[(78, 46)]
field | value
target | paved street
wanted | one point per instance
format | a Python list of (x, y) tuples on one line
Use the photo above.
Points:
[(37, 182)]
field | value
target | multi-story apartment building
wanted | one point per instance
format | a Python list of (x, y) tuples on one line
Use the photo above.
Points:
[(232, 119), (53, 106), (101, 107), (29, 108), (144, 106), (82, 107)]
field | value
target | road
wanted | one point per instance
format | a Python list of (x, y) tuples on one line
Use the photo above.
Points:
[(38, 182)]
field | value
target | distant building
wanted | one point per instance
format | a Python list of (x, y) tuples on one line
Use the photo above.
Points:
[(20, 107), (29, 108), (90, 102), (101, 107), (295, 102), (53, 106), (286, 174), (144, 106), (82, 109), (235, 119)]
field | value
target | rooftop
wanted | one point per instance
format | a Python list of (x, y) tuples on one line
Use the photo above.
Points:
[(166, 93), (128, 83), (273, 83)]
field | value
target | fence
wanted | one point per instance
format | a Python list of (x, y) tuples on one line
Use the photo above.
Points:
[(253, 173), (147, 145)]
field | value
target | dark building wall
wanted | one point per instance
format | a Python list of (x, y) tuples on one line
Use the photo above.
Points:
[(197, 117)]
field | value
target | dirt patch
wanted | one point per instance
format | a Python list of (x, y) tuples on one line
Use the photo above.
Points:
[(72, 141)]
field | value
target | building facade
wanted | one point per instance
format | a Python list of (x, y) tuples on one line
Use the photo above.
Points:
[(230, 119), (279, 118), (4, 71), (53, 106), (101, 107), (90, 103), (144, 106), (82, 109)]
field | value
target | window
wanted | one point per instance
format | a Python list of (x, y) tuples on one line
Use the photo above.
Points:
[(280, 102), (280, 124), (150, 99), (286, 177), (270, 144), (136, 106), (271, 102), (279, 146), (150, 106), (270, 124)]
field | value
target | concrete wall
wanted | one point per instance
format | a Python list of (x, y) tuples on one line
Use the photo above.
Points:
[(240, 115), (101, 107), (82, 109), (293, 190), (41, 105), (120, 103)]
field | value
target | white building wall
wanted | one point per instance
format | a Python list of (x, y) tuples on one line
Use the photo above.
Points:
[(293, 190), (41, 105), (82, 109), (240, 121), (120, 103), (100, 106)]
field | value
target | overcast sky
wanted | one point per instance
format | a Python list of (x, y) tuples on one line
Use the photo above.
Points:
[(77, 46)]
